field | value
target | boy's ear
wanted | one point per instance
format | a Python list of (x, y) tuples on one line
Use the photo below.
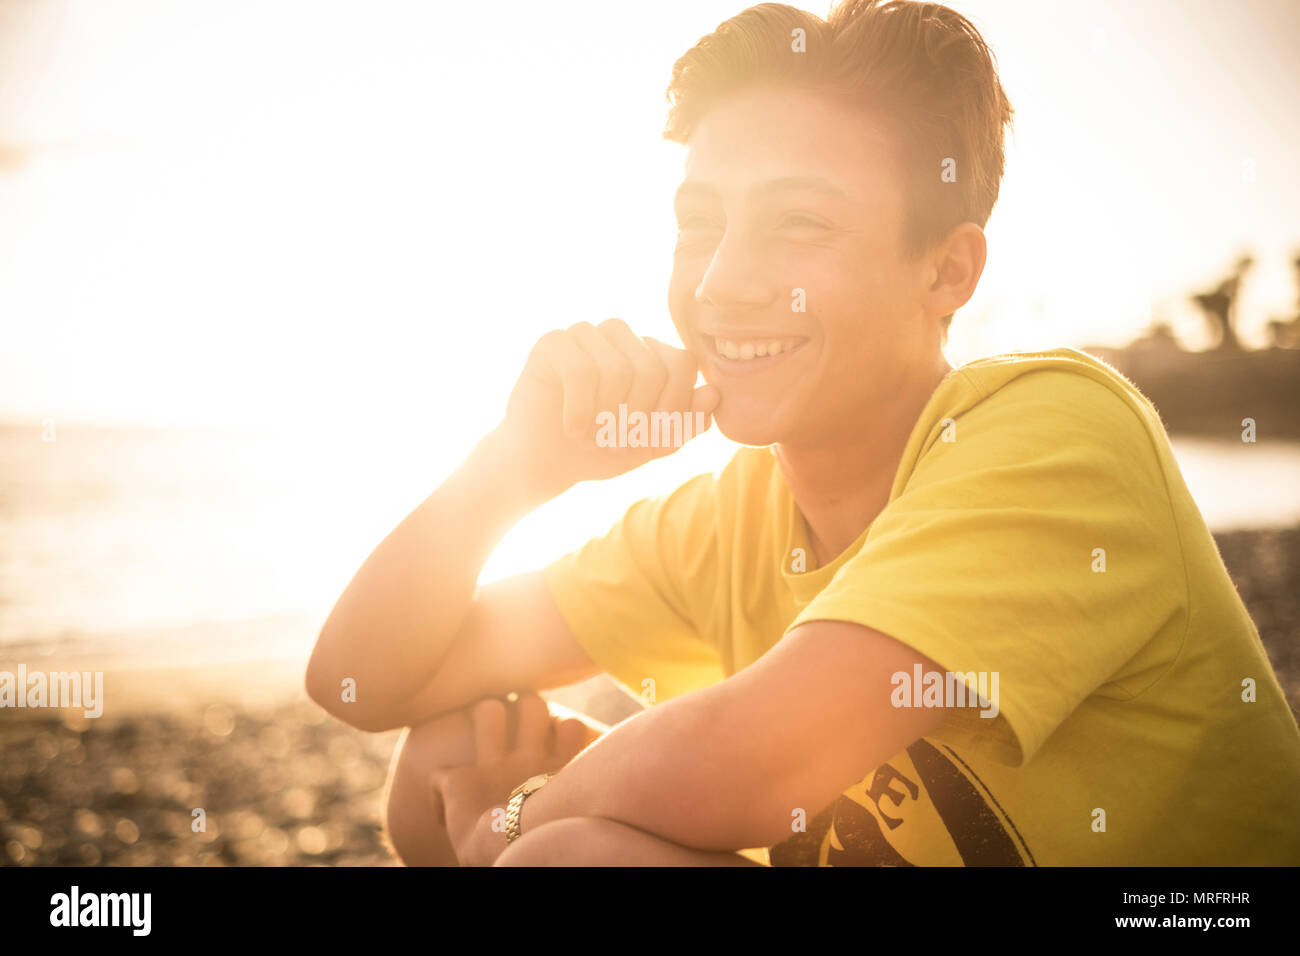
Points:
[(958, 263)]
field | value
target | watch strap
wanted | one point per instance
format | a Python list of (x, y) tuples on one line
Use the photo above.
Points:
[(514, 807)]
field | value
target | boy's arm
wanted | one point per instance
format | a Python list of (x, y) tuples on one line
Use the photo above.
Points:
[(412, 631), (726, 767), (513, 639), (411, 636)]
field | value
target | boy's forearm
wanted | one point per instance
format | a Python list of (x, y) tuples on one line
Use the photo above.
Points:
[(729, 767), (394, 622), (676, 771)]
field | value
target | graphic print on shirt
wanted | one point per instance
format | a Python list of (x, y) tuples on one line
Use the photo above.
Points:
[(923, 798)]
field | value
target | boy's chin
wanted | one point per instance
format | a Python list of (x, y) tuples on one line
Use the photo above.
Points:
[(747, 428)]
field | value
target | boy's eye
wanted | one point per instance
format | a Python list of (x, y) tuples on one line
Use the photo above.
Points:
[(800, 221)]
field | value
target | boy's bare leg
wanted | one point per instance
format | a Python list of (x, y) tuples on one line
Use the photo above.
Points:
[(413, 817), (412, 822)]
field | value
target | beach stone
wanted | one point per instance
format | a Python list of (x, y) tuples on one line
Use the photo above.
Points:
[(75, 721), (274, 741), (74, 754), (126, 831), (312, 841), (344, 750), (246, 825), (219, 720), (275, 843), (125, 781), (89, 823), (298, 802)]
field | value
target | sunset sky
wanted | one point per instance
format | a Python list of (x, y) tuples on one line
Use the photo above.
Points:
[(363, 215)]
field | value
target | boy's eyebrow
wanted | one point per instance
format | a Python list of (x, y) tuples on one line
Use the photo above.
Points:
[(703, 190)]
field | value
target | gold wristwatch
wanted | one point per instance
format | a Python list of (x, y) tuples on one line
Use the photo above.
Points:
[(516, 804)]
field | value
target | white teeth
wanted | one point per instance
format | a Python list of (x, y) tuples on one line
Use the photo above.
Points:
[(744, 351)]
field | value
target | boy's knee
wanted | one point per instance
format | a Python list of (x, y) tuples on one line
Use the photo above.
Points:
[(445, 741), (411, 822)]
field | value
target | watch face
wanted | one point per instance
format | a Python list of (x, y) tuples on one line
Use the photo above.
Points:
[(532, 783)]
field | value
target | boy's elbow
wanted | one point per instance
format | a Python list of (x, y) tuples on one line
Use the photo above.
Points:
[(318, 681), (337, 696), (320, 691), (314, 685)]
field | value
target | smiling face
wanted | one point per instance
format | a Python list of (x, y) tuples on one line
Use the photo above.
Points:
[(786, 191)]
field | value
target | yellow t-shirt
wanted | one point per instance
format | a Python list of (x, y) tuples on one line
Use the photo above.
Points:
[(1038, 529)]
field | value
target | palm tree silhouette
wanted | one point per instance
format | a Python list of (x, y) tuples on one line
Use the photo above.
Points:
[(1285, 333), (1220, 306)]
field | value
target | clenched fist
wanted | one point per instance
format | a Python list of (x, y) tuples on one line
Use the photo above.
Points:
[(572, 377)]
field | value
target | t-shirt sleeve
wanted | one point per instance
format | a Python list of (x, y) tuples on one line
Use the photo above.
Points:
[(635, 597), (1039, 545)]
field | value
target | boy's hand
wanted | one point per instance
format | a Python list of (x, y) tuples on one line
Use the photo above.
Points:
[(469, 795), (570, 377)]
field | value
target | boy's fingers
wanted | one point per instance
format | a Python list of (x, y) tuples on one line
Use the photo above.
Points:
[(650, 373), (682, 374), (617, 373), (578, 376), (571, 737), (705, 399), (534, 729), (680, 394), (489, 731)]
